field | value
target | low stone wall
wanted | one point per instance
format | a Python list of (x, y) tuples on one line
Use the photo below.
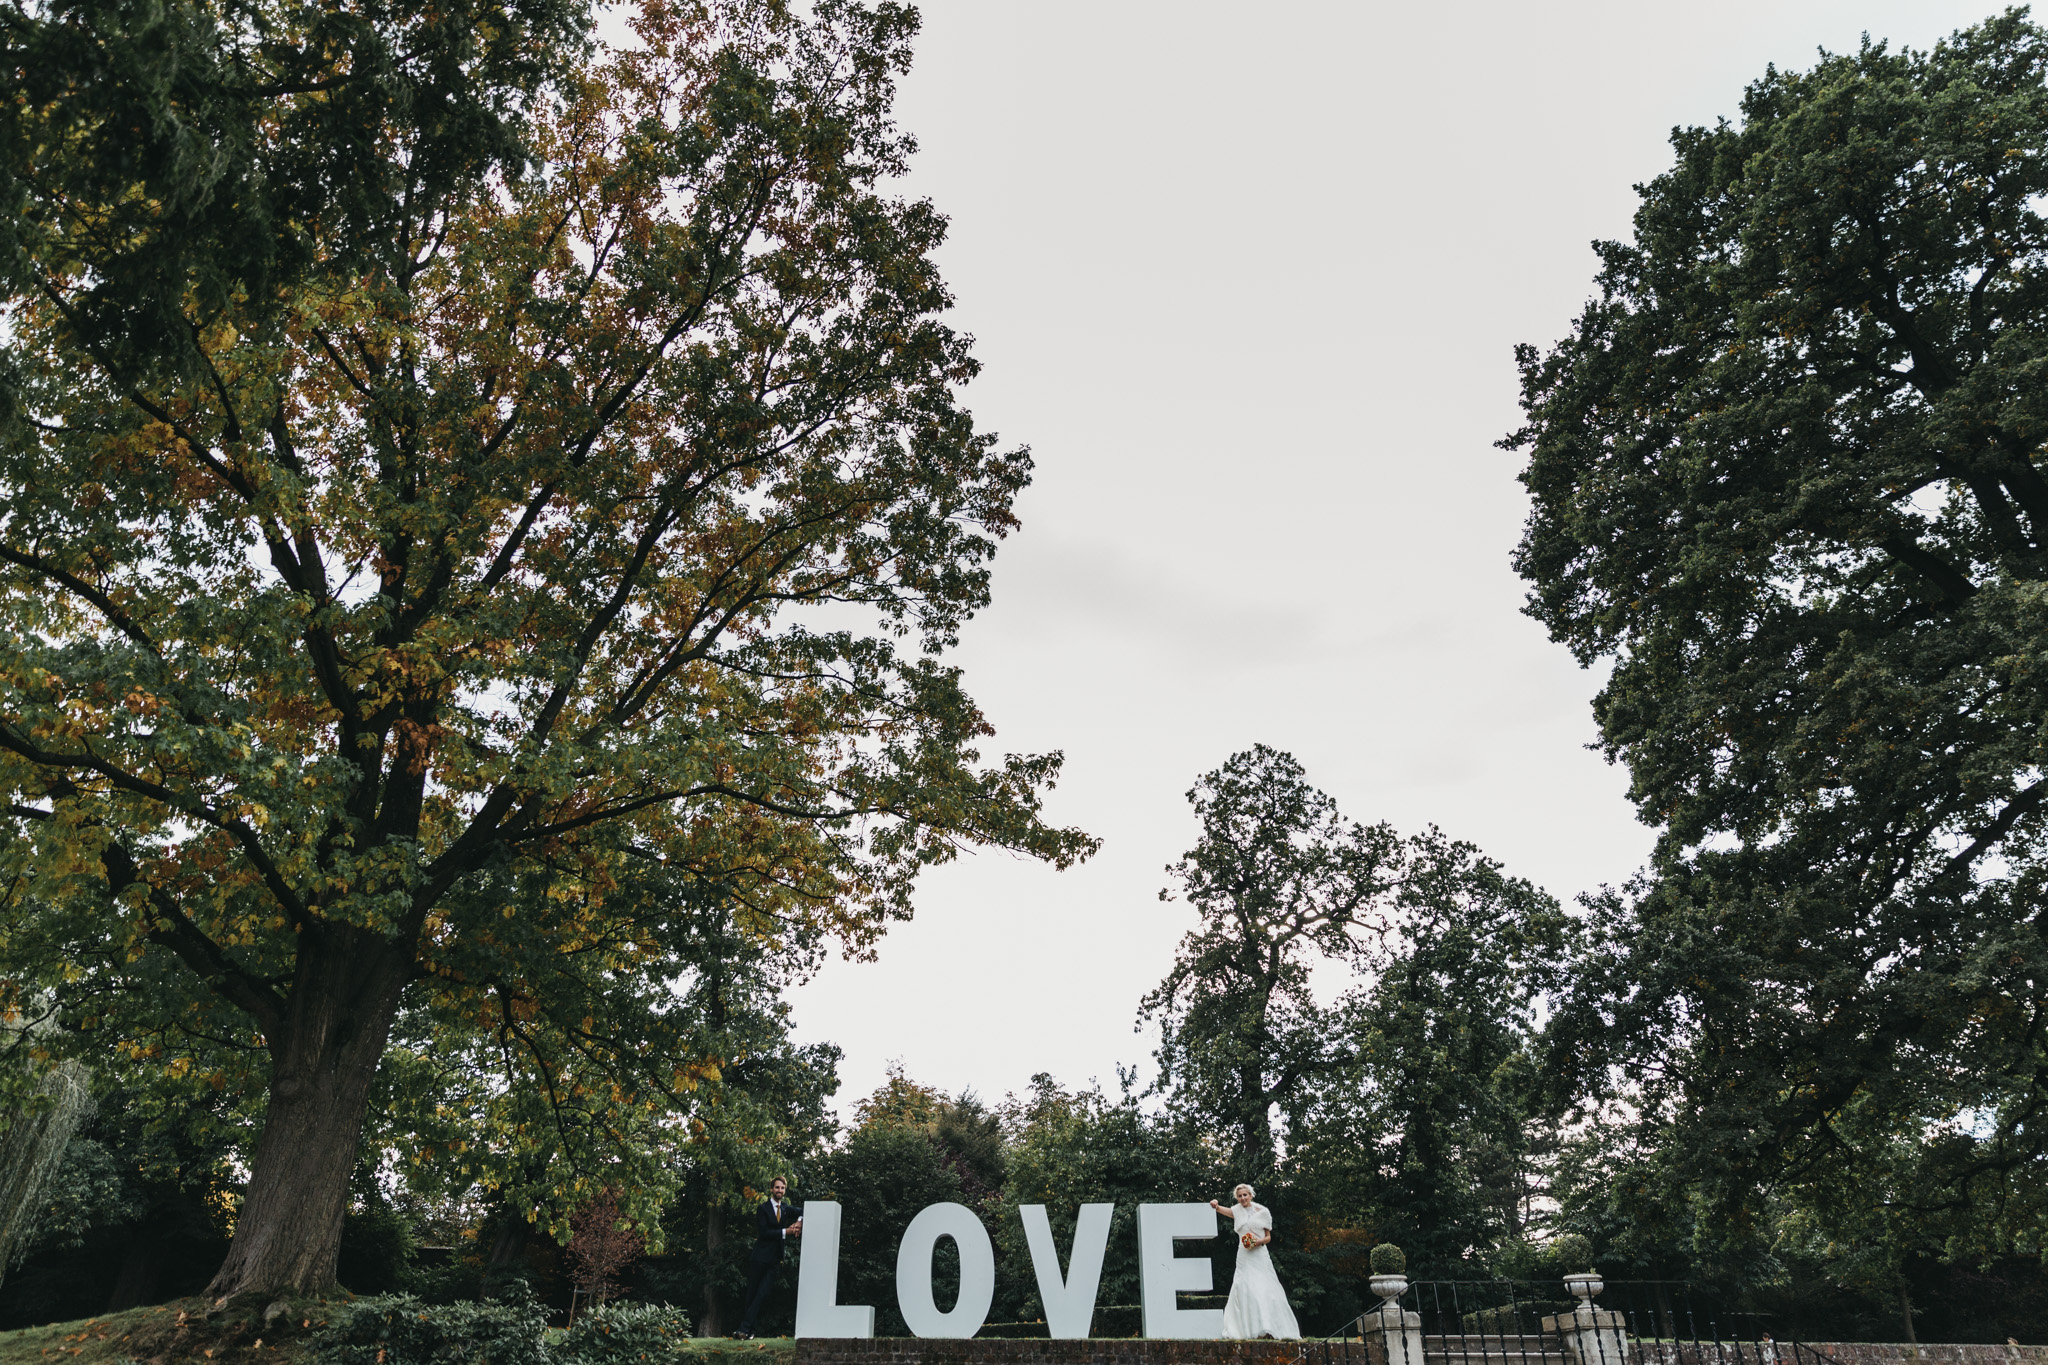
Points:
[(1826, 1353), (1141, 1351), (1094, 1351), (1898, 1353)]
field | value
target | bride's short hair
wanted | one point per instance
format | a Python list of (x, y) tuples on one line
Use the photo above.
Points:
[(1244, 1189)]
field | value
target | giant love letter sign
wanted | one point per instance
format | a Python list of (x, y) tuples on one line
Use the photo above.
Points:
[(818, 1310), (1162, 1275), (914, 1272), (1069, 1302), (1069, 1299)]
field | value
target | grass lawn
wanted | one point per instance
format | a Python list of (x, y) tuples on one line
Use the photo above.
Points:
[(177, 1331)]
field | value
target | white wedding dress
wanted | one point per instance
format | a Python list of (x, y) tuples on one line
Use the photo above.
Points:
[(1258, 1305)]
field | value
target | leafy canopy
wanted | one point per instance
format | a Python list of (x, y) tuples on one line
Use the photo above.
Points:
[(1281, 881), (549, 528), (1427, 1113), (1786, 476), (169, 167), (571, 1077)]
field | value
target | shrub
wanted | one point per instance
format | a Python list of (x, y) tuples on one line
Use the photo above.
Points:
[(1514, 1319), (1574, 1253), (376, 1249), (601, 1247), (625, 1334), (1388, 1259), (398, 1329)]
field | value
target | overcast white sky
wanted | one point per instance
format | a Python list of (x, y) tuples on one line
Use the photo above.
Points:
[(1247, 278)]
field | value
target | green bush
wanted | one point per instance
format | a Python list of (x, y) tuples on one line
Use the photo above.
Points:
[(624, 1334), (398, 1329), (376, 1249), (1013, 1331), (1512, 1319), (1118, 1320), (1388, 1259), (1574, 1252)]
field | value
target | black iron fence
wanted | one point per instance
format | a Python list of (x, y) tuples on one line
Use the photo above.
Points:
[(1624, 1322)]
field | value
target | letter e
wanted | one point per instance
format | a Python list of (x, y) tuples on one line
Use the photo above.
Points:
[(1162, 1274)]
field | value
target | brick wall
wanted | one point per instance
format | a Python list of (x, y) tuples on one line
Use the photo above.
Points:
[(1825, 1353), (1095, 1351), (1897, 1353), (1139, 1351)]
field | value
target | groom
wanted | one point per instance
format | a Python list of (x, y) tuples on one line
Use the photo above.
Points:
[(775, 1222)]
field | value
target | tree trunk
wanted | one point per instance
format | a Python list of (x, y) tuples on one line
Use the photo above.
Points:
[(141, 1267), (714, 1238), (322, 1061), (1256, 1123), (508, 1246), (32, 1147)]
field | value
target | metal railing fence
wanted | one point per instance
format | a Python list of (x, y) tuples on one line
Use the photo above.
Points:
[(1628, 1322)]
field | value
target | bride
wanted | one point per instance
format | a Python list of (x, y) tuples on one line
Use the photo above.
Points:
[(1257, 1306)]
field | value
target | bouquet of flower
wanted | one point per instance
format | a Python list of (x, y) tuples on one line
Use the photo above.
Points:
[(1250, 1240)]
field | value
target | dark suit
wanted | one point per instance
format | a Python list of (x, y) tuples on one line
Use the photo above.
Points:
[(769, 1227)]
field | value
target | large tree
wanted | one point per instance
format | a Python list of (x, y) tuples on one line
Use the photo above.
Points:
[(1282, 882), (1787, 477), (615, 507), (1430, 1123)]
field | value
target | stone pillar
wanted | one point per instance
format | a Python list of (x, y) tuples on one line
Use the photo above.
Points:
[(1393, 1335), (1592, 1336)]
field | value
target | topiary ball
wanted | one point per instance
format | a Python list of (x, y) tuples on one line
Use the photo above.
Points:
[(1388, 1259), (1574, 1253)]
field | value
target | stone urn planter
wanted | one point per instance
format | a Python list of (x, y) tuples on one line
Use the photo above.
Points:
[(1389, 1266), (1584, 1285)]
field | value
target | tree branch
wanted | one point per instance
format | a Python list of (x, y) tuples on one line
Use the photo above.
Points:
[(2015, 810), (244, 837), (116, 617), (1953, 585), (193, 946)]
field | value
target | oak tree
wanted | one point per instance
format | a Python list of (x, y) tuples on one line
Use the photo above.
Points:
[(364, 622), (1281, 881), (1786, 476), (1432, 1122)]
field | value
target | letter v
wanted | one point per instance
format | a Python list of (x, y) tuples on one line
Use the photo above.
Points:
[(1069, 1301)]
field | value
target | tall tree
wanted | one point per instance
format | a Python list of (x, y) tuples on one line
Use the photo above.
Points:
[(1281, 881), (1786, 476), (1431, 1123), (484, 555)]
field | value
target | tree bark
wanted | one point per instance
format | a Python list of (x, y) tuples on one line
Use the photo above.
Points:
[(1256, 1119), (508, 1247), (136, 1283), (714, 1238), (323, 1059)]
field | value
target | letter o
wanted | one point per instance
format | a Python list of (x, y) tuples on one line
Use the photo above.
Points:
[(914, 1272)]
